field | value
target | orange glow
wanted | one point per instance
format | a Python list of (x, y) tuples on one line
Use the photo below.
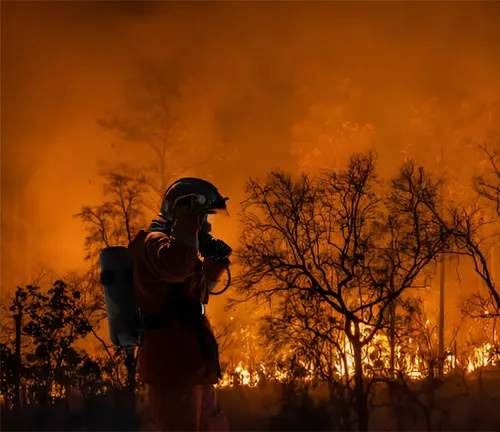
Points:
[(296, 86)]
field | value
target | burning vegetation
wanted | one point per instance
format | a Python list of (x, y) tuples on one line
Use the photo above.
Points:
[(411, 361)]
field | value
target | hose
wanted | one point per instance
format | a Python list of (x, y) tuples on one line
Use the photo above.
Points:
[(223, 290)]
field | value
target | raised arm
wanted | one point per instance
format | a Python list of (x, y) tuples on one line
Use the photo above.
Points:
[(173, 258)]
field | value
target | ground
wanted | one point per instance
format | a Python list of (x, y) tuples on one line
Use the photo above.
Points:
[(470, 404)]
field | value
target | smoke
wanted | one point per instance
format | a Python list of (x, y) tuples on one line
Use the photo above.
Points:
[(65, 64)]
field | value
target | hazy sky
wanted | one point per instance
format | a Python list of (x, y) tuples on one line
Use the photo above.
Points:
[(64, 64)]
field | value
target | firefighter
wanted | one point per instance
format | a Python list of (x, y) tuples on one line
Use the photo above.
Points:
[(178, 357)]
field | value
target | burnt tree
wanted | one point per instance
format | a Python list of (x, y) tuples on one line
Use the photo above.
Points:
[(334, 253)]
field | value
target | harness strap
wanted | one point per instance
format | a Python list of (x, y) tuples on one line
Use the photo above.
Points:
[(187, 312)]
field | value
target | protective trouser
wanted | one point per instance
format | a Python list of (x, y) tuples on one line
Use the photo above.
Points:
[(192, 408)]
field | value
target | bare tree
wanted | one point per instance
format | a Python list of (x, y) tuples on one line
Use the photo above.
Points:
[(161, 115), (114, 222), (488, 184), (474, 227), (117, 220), (334, 252)]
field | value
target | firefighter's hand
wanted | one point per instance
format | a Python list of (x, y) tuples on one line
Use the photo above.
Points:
[(189, 205), (213, 248)]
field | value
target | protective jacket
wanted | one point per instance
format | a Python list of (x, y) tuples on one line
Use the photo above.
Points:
[(171, 284)]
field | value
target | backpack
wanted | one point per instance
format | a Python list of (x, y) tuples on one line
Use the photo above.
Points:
[(117, 277)]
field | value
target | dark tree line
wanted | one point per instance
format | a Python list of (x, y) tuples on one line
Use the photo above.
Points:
[(41, 357)]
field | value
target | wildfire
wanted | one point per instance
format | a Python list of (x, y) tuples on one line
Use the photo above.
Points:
[(485, 355), (241, 376), (376, 360)]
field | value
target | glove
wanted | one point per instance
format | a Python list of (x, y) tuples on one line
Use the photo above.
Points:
[(189, 205), (160, 226), (213, 248)]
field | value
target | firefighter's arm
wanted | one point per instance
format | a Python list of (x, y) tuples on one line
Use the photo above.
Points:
[(173, 258)]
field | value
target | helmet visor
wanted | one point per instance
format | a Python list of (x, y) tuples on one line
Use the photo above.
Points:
[(219, 207), (219, 212)]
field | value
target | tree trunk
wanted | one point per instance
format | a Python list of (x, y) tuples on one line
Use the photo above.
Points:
[(392, 339), (341, 406), (17, 354), (359, 393), (441, 355)]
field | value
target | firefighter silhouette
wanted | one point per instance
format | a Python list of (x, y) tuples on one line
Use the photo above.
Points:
[(156, 291)]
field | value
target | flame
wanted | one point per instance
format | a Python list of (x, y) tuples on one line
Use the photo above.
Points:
[(240, 376), (484, 355), (409, 359)]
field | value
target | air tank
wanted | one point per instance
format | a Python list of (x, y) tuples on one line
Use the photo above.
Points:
[(117, 278)]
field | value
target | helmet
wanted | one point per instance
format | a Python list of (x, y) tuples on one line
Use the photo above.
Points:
[(213, 200)]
